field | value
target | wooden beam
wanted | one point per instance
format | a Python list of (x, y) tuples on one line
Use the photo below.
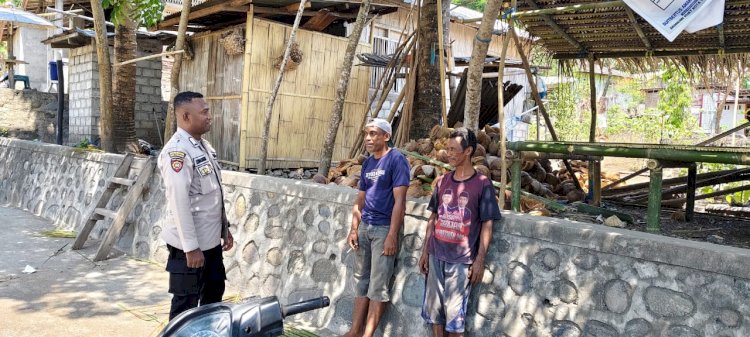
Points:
[(322, 19), (264, 11), (569, 9), (295, 6), (203, 12), (637, 28), (552, 24), (658, 53), (720, 29)]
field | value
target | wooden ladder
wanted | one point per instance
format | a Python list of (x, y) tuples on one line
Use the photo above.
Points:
[(118, 216)]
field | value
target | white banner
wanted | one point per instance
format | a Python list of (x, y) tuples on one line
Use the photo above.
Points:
[(713, 15), (670, 17)]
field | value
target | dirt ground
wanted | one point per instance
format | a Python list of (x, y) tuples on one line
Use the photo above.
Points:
[(727, 230)]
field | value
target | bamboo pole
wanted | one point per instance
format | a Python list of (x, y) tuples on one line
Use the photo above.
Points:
[(245, 99), (622, 191), (441, 48), (653, 223), (656, 53), (148, 57), (515, 198), (703, 143), (501, 110), (277, 85), (570, 8), (667, 153)]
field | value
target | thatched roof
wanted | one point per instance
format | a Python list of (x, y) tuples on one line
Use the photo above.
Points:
[(608, 29)]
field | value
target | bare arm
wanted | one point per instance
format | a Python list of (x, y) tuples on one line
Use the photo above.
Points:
[(423, 264), (397, 220), (485, 237), (353, 239)]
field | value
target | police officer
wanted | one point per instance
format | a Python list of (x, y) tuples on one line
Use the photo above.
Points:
[(197, 222)]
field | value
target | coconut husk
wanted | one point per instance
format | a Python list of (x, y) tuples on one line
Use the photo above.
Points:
[(429, 171), (416, 171), (354, 171), (483, 139), (525, 179), (333, 174), (483, 170), (320, 179), (496, 175), (415, 189), (489, 130), (528, 204), (440, 144), (539, 173), (458, 125), (425, 147), (480, 151), (339, 180), (349, 181), (575, 195), (442, 156), (439, 132), (494, 148), (552, 180), (540, 212), (361, 159), (527, 165), (495, 163), (479, 161), (546, 164), (411, 146)]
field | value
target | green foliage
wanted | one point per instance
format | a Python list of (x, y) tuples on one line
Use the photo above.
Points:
[(146, 12), (477, 5), (674, 99), (737, 197), (4, 132)]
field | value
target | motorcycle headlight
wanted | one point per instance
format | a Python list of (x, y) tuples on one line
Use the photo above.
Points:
[(215, 324)]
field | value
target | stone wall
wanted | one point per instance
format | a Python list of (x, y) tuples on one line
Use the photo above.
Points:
[(84, 94), (29, 114), (544, 277)]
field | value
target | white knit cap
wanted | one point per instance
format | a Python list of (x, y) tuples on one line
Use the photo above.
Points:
[(380, 123)]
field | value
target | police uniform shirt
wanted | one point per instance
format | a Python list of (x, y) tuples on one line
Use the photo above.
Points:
[(192, 184)]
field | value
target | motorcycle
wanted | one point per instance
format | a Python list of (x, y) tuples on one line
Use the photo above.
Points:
[(256, 317)]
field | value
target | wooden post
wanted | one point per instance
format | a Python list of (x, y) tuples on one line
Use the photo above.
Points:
[(60, 100), (691, 186), (245, 100), (654, 200), (596, 182), (592, 89), (515, 185)]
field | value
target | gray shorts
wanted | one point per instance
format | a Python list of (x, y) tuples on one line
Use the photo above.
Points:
[(373, 270), (446, 295)]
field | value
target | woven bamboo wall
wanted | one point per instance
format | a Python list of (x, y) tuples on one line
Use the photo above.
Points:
[(303, 106), (218, 76)]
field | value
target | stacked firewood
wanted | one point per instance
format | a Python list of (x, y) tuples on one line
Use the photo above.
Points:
[(538, 176)]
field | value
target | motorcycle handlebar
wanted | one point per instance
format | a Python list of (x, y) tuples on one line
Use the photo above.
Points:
[(300, 307)]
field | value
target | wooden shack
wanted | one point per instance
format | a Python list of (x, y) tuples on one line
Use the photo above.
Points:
[(238, 85)]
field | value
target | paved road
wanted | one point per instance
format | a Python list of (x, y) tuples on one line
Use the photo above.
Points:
[(68, 295)]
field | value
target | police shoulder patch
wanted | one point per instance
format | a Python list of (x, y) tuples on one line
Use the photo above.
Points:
[(177, 160)]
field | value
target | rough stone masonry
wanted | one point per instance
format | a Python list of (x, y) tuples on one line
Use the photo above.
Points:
[(545, 277)]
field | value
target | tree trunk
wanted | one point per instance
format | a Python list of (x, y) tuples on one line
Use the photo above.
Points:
[(105, 77), (343, 85), (275, 91), (427, 106), (123, 95), (170, 124), (476, 64), (720, 108)]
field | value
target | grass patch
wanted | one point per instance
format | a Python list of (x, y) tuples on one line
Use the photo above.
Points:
[(58, 233)]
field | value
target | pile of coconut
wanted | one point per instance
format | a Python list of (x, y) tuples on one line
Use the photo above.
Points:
[(539, 176)]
